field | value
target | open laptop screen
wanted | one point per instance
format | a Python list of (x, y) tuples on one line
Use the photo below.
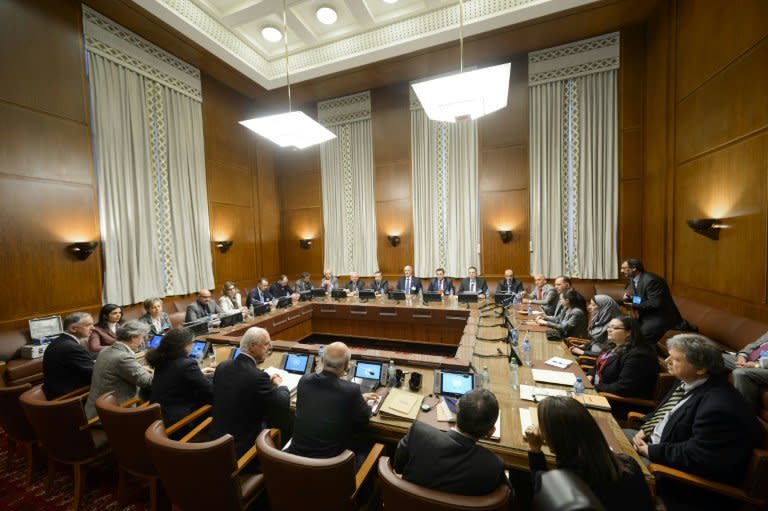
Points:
[(199, 349), (456, 384), (154, 342), (296, 363), (368, 370)]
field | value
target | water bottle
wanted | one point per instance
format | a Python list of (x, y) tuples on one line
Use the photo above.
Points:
[(319, 362), (485, 378), (392, 373), (526, 351), (513, 380), (250, 311), (578, 387), (530, 309), (764, 359), (515, 337)]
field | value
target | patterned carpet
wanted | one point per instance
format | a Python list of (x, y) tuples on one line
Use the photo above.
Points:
[(100, 485)]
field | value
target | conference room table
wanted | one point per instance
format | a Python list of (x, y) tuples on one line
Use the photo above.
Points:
[(479, 339)]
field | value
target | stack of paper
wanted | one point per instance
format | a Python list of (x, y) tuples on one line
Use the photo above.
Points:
[(528, 417), (402, 404), (531, 393), (559, 362), (556, 377), (290, 380)]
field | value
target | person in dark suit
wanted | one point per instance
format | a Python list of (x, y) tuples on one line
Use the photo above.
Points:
[(245, 398), (157, 320), (509, 284), (379, 285), (281, 288), (304, 283), (649, 295), (331, 413), (203, 307), (104, 332), (574, 320), (409, 283), (542, 294), (259, 294), (578, 444), (66, 364), (451, 461), (179, 386), (562, 284), (354, 285), (628, 368), (703, 426), (440, 284), (329, 281), (474, 284)]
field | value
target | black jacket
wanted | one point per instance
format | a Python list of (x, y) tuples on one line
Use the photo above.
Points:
[(657, 311), (631, 373), (66, 366), (509, 287), (415, 285), (180, 388)]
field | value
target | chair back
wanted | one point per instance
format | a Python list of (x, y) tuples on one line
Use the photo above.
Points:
[(757, 470), (563, 490), (12, 417), (664, 382), (60, 425), (195, 475), (125, 429), (326, 484), (401, 494)]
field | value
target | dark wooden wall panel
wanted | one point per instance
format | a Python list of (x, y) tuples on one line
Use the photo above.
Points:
[(268, 206), (302, 224), (234, 222)]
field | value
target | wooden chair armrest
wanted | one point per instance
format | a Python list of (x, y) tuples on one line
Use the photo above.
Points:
[(130, 402), (576, 341), (2, 373), (197, 430), (587, 359), (365, 469), (635, 420), (173, 428), (90, 423), (636, 401), (246, 458), (81, 392), (701, 482)]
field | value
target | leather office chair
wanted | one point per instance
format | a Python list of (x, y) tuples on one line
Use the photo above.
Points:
[(295, 482), (562, 490), (664, 382), (65, 434), (401, 494), (17, 428), (202, 476)]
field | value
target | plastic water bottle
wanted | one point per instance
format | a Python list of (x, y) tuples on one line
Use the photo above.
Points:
[(764, 359), (392, 373), (319, 362), (515, 337), (578, 387), (526, 351), (530, 309), (485, 378), (513, 379), (250, 311)]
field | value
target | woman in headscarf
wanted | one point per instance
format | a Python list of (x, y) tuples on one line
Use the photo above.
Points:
[(603, 309)]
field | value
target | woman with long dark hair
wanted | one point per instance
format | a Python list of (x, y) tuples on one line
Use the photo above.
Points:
[(574, 321), (578, 444), (104, 332), (179, 386)]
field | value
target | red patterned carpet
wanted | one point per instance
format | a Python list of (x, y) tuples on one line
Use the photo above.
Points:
[(100, 484)]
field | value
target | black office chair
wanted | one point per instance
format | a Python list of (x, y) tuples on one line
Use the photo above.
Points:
[(562, 490)]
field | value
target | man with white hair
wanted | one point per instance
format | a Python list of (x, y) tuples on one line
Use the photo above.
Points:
[(409, 283), (354, 285), (245, 398), (67, 365)]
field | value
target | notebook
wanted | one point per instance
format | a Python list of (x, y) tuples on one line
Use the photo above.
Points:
[(290, 380), (555, 377), (593, 401), (559, 362), (402, 404), (532, 393)]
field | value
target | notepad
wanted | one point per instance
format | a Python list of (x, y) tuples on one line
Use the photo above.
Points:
[(528, 417), (555, 377), (593, 401), (559, 362), (290, 380), (444, 413), (531, 393), (402, 404)]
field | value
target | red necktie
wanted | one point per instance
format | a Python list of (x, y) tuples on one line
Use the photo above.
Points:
[(539, 293)]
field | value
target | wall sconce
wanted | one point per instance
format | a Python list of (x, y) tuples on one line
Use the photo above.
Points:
[(708, 227), (82, 249), (223, 246), (506, 236), (394, 240), (305, 243)]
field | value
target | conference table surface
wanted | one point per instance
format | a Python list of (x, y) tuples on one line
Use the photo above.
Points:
[(482, 343)]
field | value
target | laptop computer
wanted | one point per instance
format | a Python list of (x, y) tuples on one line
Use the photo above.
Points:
[(454, 384), (234, 353), (369, 374), (297, 363), (199, 350), (154, 342)]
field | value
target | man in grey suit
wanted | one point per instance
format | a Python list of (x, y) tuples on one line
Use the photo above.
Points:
[(330, 281), (747, 374), (304, 283), (562, 284), (202, 307), (117, 370), (542, 294), (354, 285)]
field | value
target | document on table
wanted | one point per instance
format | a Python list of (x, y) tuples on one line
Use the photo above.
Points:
[(290, 380), (532, 393), (559, 362), (528, 418), (556, 377)]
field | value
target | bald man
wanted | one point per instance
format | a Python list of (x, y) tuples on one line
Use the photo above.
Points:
[(331, 413), (203, 307), (543, 294), (409, 283)]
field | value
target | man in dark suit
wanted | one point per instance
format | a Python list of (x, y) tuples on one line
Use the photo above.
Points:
[(703, 426), (451, 461), (354, 285), (67, 365), (649, 295), (474, 284), (281, 288), (245, 398), (202, 307), (331, 413), (562, 284), (378, 284), (440, 284), (409, 283), (259, 294), (509, 284)]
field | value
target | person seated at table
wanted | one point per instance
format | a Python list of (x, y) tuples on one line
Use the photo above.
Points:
[(116, 368), (542, 294), (178, 385), (628, 367), (602, 309), (452, 461), (203, 307), (562, 284), (67, 365), (574, 321), (474, 284), (329, 282), (154, 316), (260, 294), (304, 283), (105, 330), (440, 284), (379, 285), (281, 288), (409, 283), (354, 285), (578, 444), (747, 374), (509, 284), (231, 300), (331, 412)]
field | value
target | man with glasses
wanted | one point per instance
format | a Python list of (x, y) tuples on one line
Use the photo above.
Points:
[(202, 307)]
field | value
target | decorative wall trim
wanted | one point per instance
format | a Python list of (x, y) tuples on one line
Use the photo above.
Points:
[(580, 58), (346, 109)]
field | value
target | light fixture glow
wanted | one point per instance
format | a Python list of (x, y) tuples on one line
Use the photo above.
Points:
[(326, 15), (291, 129), (390, 1), (271, 34)]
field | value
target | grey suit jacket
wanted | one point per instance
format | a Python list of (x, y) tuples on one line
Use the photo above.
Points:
[(196, 311), (334, 282), (549, 298), (116, 370), (749, 348), (573, 324)]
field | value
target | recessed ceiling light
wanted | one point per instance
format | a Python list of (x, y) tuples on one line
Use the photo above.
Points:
[(271, 34), (390, 1), (326, 15)]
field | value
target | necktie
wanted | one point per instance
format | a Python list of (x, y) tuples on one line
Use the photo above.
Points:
[(440, 286), (663, 410), (408, 285), (539, 293), (472, 286)]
